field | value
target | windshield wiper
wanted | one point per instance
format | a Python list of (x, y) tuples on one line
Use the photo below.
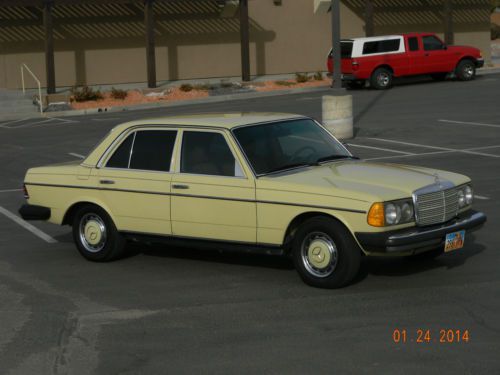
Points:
[(290, 166), (335, 157)]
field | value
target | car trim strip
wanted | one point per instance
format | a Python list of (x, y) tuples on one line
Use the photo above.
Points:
[(200, 196)]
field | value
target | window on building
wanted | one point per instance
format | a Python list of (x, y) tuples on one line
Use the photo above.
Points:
[(152, 150), (208, 153), (122, 154), (381, 46), (431, 43), (413, 43)]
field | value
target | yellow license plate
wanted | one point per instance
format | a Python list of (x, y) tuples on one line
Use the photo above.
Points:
[(454, 241)]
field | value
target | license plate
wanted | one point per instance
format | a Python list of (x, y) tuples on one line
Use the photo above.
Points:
[(454, 241)]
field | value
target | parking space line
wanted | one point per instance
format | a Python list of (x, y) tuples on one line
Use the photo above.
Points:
[(469, 123), (10, 190), (381, 149), (406, 156), (76, 155), (37, 232), (465, 151), (12, 122)]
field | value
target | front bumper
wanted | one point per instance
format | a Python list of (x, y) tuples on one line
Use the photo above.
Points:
[(32, 212), (479, 63), (418, 239)]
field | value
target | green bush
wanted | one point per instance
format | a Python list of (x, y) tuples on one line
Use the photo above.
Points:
[(118, 93), (186, 87), (302, 77), (284, 83), (318, 76), (85, 93)]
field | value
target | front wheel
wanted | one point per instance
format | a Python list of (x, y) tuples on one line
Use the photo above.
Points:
[(466, 70), (325, 253), (381, 79), (96, 236)]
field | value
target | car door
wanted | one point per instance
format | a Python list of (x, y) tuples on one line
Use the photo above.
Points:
[(436, 55), (213, 196), (416, 56), (135, 180)]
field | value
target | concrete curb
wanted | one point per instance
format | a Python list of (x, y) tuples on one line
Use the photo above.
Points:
[(206, 100)]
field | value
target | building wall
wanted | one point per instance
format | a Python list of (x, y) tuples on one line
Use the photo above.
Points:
[(284, 39)]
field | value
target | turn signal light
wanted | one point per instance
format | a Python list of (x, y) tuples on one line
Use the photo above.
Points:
[(376, 215)]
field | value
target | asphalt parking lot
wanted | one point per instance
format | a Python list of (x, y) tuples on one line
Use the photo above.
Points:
[(186, 311)]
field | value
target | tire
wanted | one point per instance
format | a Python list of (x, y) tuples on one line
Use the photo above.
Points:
[(465, 70), (381, 79), (337, 258), (355, 85), (439, 76), (96, 236)]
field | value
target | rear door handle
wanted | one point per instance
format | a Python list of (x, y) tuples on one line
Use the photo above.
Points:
[(178, 186), (107, 182)]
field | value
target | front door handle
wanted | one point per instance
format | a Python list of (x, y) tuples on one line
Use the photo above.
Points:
[(177, 186), (107, 182)]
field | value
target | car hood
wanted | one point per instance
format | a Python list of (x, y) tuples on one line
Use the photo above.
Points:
[(465, 49), (360, 180)]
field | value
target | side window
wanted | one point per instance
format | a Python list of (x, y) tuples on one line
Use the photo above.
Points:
[(152, 150), (381, 46), (208, 153), (121, 156), (413, 43), (431, 43)]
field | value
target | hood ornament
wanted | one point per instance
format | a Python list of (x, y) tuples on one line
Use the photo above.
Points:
[(437, 181)]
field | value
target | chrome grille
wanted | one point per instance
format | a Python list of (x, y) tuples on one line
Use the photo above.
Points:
[(436, 207)]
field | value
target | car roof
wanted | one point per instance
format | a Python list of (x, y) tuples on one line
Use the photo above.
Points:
[(373, 38), (215, 120)]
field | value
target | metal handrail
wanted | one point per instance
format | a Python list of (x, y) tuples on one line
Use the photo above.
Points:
[(24, 66)]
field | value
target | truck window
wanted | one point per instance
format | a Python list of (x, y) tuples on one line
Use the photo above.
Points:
[(431, 43), (413, 43), (381, 46), (345, 50)]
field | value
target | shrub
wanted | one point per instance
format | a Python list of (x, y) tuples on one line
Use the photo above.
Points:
[(302, 77), (318, 76), (118, 93), (85, 93), (203, 87), (186, 87), (284, 83)]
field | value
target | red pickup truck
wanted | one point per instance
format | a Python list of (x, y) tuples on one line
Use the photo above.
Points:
[(379, 59)]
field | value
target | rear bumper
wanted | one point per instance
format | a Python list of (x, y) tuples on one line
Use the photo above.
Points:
[(418, 239), (32, 212)]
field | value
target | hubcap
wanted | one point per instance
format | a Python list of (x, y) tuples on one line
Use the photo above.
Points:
[(319, 254), (468, 70), (383, 79), (92, 232)]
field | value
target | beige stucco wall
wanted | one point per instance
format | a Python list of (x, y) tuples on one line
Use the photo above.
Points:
[(284, 39)]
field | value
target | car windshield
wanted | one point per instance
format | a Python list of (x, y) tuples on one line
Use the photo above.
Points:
[(288, 144)]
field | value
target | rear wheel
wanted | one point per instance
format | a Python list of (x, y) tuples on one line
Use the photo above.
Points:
[(381, 79), (96, 236), (465, 70), (325, 253)]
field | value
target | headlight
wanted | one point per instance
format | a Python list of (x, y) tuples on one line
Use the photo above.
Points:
[(391, 213), (465, 196), (469, 195)]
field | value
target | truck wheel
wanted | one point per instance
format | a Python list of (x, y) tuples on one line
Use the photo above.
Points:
[(96, 236), (325, 254), (381, 79), (465, 70)]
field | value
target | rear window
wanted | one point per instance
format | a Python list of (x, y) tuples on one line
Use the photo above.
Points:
[(413, 43), (381, 46), (345, 50)]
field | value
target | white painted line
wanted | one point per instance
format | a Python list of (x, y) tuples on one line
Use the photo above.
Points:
[(381, 149), (470, 123), (12, 122), (105, 119), (465, 151), (482, 148), (10, 190), (406, 156), (480, 197), (76, 155), (65, 120), (37, 232)]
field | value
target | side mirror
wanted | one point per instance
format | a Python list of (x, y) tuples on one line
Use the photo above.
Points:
[(445, 47)]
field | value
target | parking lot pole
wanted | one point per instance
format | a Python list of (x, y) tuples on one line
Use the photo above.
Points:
[(50, 69), (448, 22), (369, 25), (336, 56), (150, 42), (245, 41)]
